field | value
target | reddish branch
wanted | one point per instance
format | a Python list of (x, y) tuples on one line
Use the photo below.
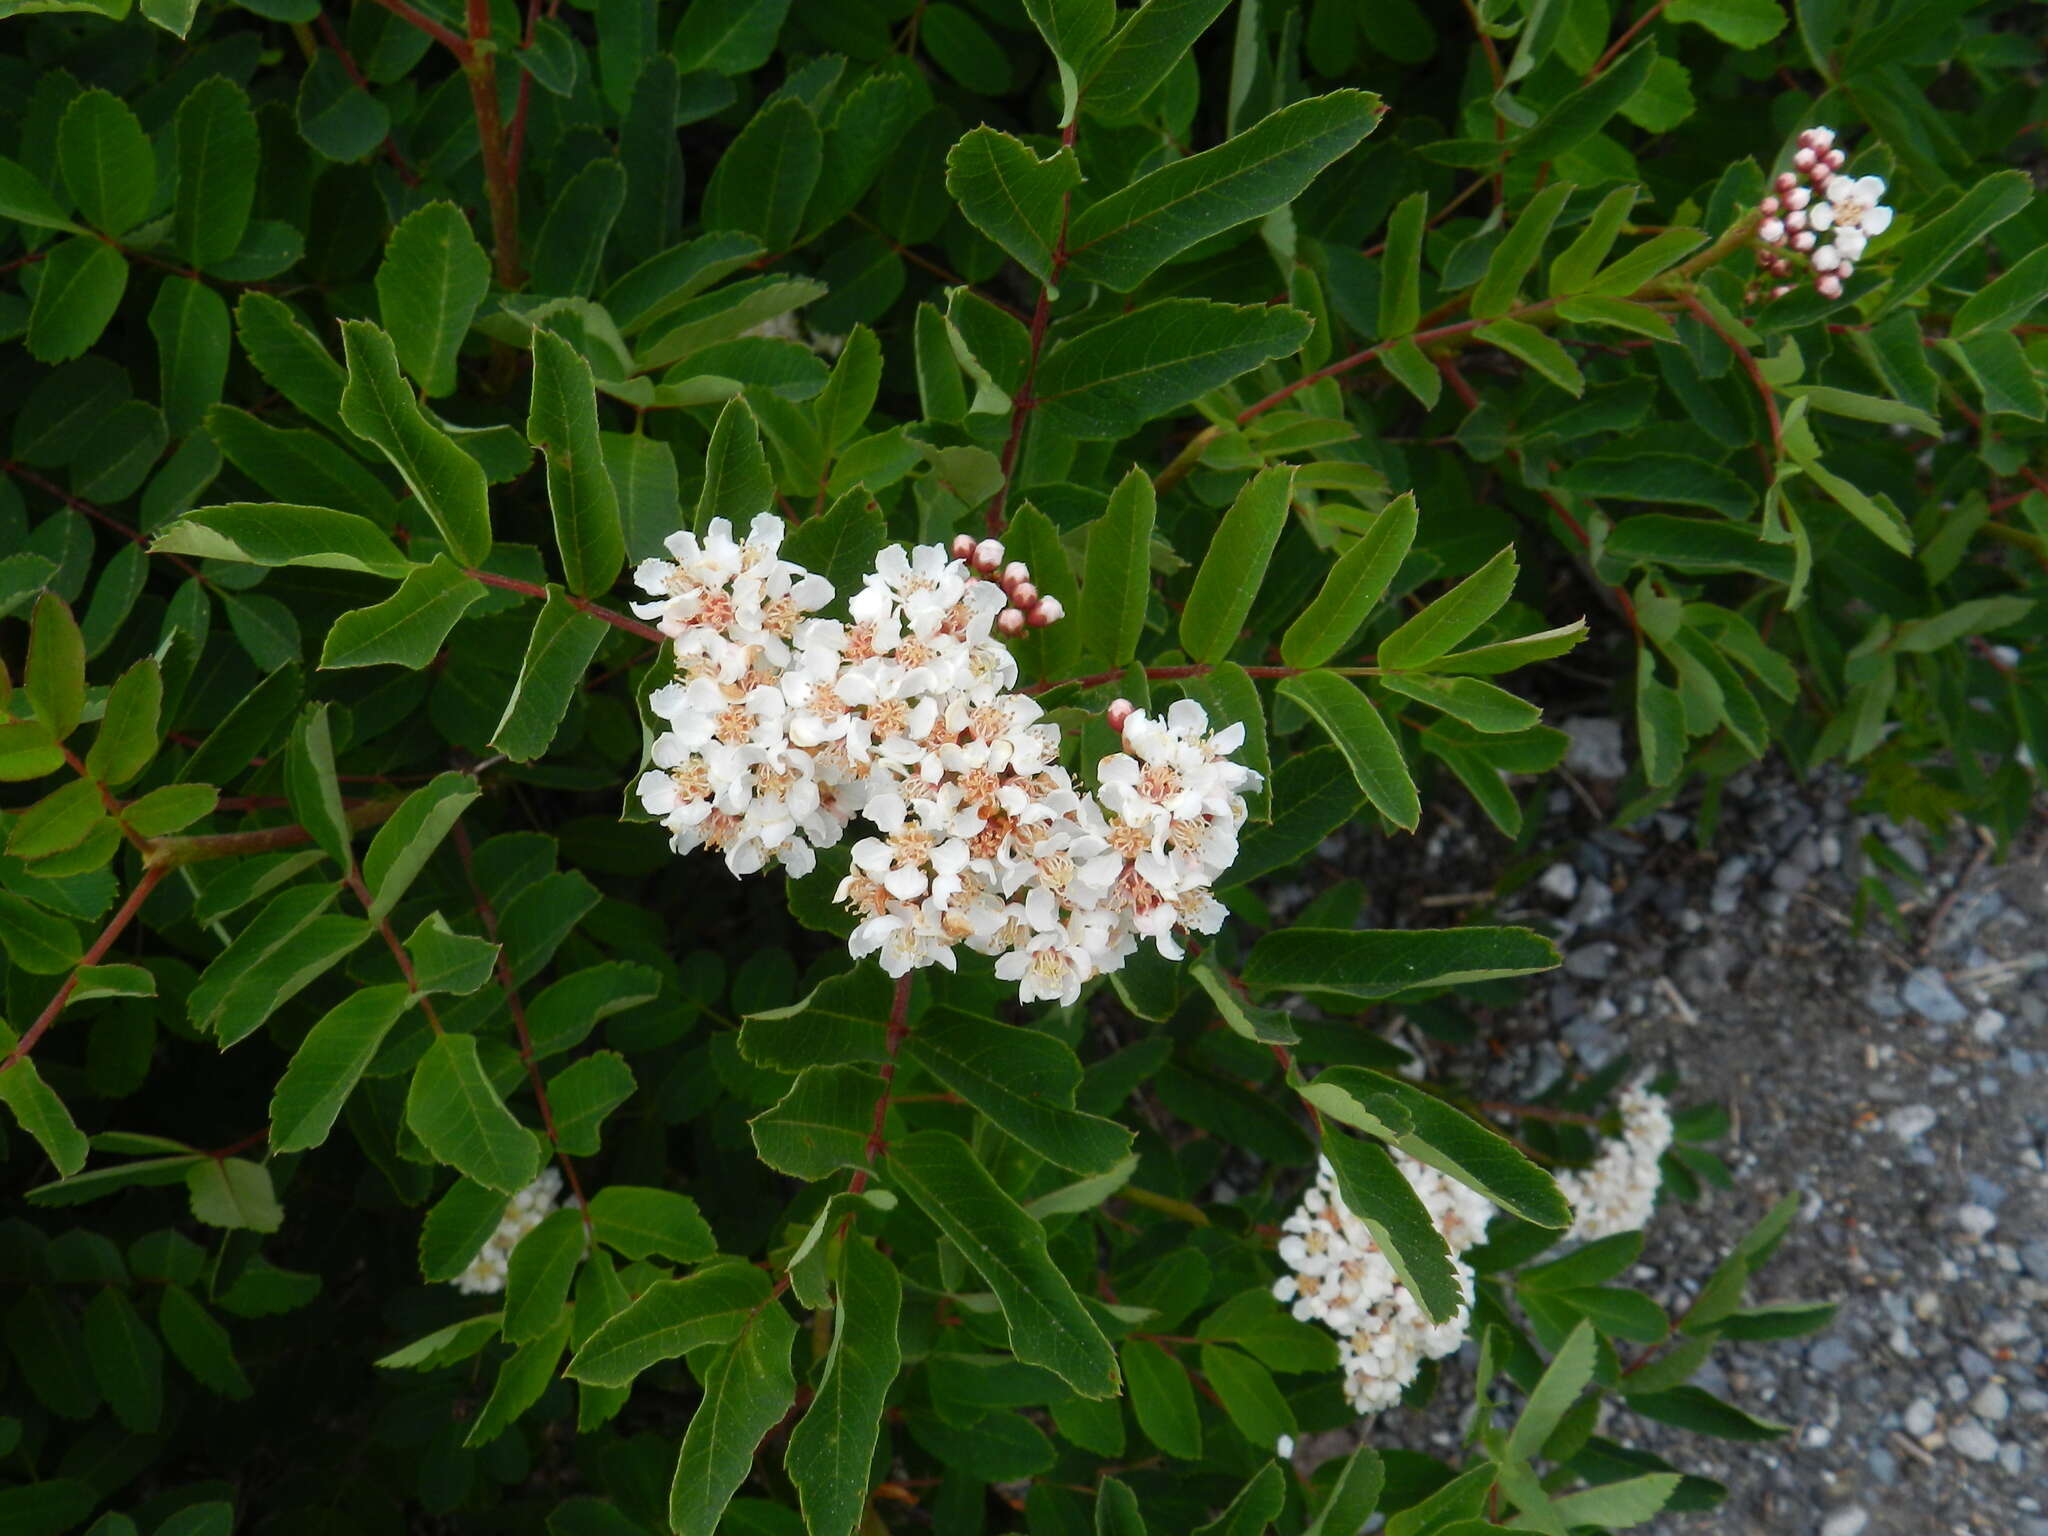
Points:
[(1743, 355), (1025, 401), (581, 604), (488, 916), (93, 956), (97, 514), (899, 1027), (332, 38), (1615, 48), (354, 881)]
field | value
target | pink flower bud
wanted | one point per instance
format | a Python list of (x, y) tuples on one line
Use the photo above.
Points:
[(1120, 710), (1768, 206), (1024, 595), (1835, 159), (1010, 623), (1803, 158), (1046, 610), (1780, 291), (1823, 138), (1820, 176), (1771, 231), (1808, 139), (963, 546), (1803, 241), (1798, 197), (1786, 182), (1829, 286), (1015, 572), (988, 555), (1795, 221), (1845, 270)]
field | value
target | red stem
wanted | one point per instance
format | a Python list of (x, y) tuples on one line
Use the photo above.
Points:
[(120, 920), (1748, 360), (1615, 48), (362, 894), (501, 178), (453, 42), (97, 514), (581, 604), (332, 38), (899, 1027)]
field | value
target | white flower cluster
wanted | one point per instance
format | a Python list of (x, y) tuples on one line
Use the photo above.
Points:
[(523, 1212), (784, 728), (1341, 1279), (1814, 199), (1618, 1192)]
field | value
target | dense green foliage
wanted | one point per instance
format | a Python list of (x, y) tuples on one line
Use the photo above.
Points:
[(1323, 360)]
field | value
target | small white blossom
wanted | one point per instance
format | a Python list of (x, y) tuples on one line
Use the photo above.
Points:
[(1619, 1191), (526, 1210)]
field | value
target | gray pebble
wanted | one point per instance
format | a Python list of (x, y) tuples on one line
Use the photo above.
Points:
[(1975, 1363), (1973, 1440), (1849, 1520), (1595, 749), (1560, 880), (1991, 1403), (1911, 1121), (1592, 962), (1927, 993), (1884, 1466), (1984, 1192), (1989, 1024), (1919, 1417), (1831, 1354), (1975, 1219), (2034, 1258)]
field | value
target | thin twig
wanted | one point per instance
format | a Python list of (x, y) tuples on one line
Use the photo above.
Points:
[(93, 956), (899, 1028)]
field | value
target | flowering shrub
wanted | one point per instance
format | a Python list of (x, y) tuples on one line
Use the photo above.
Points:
[(673, 676)]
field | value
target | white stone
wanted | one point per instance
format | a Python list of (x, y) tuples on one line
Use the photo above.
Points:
[(1973, 1440), (1920, 1418), (1560, 880), (1910, 1122), (1849, 1520), (1991, 1402), (1975, 1220)]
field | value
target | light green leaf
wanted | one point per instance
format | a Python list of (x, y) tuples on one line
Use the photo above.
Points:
[(1739, 23), (1011, 195), (432, 278), (278, 533), (1573, 267), (832, 1448), (1401, 267), (1132, 232), (60, 821), (1341, 708), (1252, 1511), (447, 482), (1354, 587), (737, 482), (1371, 965), (235, 1193), (1047, 1323), (821, 1125), (329, 1063), (403, 844), (1922, 256), (1517, 253), (218, 153), (107, 161), (1117, 575), (671, 1318), (312, 788), (1480, 705), (1379, 1194), (582, 1094), (408, 627), (1452, 617), (1431, 1131), (1617, 1506), (1567, 1375), (460, 1120), (37, 1109), (1235, 564), (292, 941), (1537, 349), (1251, 1398), (1112, 380), (563, 424), (557, 655), (747, 1390), (1356, 1496), (55, 676)]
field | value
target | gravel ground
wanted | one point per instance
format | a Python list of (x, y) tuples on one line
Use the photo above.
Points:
[(1897, 1079)]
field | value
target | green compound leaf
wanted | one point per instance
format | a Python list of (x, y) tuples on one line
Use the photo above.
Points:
[(563, 424), (832, 1449), (432, 278), (1110, 381), (460, 1119), (378, 408), (1131, 233), (1048, 1325)]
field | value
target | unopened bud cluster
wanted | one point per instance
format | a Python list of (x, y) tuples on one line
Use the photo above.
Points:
[(1813, 199), (523, 1212), (1025, 607), (784, 729), (1340, 1277), (1619, 1191)]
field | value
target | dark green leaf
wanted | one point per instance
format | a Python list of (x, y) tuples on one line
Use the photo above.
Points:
[(460, 1119), (1023, 1081), (408, 627), (329, 1063), (1341, 709), (747, 1390), (1235, 565), (1379, 1194), (1353, 589), (1117, 575), (832, 1447), (1110, 381), (218, 152), (432, 278), (1011, 195), (447, 482)]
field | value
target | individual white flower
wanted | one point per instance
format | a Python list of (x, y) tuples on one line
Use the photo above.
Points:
[(1852, 202)]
